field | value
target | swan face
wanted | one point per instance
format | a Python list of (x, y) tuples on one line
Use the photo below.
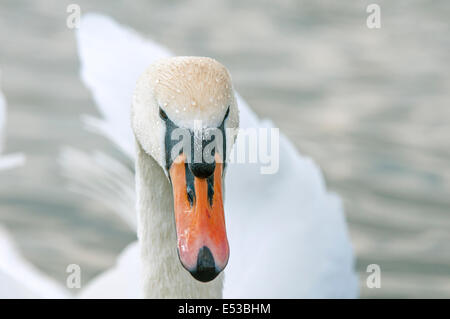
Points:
[(184, 115)]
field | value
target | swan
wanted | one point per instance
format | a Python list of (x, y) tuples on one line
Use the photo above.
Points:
[(287, 235)]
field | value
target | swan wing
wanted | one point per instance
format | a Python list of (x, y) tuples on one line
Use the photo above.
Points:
[(98, 176), (288, 235), (11, 160), (110, 67), (20, 279), (120, 281)]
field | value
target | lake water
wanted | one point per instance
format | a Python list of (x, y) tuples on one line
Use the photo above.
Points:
[(370, 106)]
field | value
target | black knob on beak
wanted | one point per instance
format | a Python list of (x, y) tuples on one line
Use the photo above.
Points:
[(202, 170), (206, 267)]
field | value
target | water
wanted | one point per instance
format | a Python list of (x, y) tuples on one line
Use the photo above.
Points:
[(370, 106)]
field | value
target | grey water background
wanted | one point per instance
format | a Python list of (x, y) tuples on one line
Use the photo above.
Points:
[(370, 106)]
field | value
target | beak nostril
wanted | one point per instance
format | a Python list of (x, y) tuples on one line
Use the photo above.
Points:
[(190, 196)]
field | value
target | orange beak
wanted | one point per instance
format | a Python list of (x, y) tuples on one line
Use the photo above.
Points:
[(199, 216)]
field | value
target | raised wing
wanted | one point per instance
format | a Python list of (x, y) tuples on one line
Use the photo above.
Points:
[(11, 160)]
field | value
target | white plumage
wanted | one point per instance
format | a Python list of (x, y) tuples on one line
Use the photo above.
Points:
[(11, 160), (287, 234), (20, 279)]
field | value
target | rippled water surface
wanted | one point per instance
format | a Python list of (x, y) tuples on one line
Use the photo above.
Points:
[(372, 107)]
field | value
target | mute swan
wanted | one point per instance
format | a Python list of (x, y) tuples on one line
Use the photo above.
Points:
[(287, 235)]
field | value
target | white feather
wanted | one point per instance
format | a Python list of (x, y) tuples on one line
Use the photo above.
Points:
[(99, 176), (11, 160), (20, 279)]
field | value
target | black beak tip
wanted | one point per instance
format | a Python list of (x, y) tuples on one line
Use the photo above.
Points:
[(204, 275), (206, 267)]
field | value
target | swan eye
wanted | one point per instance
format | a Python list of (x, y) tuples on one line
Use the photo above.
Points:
[(163, 114)]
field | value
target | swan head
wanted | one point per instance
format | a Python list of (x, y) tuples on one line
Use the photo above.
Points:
[(184, 115)]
